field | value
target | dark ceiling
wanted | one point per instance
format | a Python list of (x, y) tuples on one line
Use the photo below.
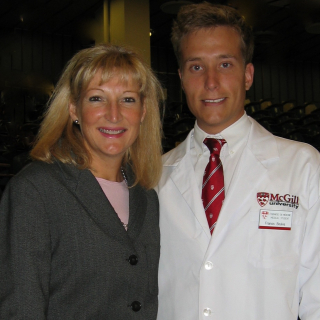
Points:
[(44, 16), (279, 25)]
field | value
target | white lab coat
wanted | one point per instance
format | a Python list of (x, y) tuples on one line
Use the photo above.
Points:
[(241, 272)]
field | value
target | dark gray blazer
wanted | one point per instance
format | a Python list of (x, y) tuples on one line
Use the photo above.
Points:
[(64, 253)]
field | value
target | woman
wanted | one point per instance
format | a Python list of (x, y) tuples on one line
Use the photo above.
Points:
[(79, 235)]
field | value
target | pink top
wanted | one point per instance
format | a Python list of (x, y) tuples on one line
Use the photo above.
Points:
[(118, 195)]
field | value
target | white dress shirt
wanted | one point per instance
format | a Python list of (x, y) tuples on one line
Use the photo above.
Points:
[(236, 137)]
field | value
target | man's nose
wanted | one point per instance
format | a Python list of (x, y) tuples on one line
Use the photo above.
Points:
[(211, 80)]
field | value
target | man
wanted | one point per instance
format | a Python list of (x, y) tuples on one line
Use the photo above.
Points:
[(260, 259)]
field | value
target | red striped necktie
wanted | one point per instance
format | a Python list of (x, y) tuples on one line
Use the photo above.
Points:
[(213, 182)]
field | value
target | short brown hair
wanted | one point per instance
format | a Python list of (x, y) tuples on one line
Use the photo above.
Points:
[(194, 17), (59, 138)]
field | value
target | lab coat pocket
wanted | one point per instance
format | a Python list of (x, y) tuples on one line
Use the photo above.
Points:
[(272, 248)]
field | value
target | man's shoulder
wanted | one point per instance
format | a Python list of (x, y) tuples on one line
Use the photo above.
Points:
[(174, 156), (266, 142), (177, 161), (301, 149)]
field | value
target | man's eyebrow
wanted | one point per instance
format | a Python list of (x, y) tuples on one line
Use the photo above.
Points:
[(220, 56), (193, 59), (226, 56)]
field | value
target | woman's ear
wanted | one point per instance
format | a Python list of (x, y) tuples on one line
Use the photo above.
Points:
[(73, 111)]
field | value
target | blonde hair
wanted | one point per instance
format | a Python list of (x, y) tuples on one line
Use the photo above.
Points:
[(59, 138), (194, 17)]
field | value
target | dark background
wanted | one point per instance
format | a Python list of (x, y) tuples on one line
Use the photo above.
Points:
[(38, 37)]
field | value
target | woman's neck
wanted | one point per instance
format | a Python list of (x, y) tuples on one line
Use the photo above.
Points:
[(108, 170)]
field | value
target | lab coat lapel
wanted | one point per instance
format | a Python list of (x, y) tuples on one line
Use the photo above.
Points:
[(183, 176), (251, 170)]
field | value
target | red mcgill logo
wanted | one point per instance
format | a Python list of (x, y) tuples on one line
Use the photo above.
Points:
[(262, 198), (264, 214)]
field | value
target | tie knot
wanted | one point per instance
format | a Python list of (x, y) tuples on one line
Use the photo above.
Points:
[(214, 145)]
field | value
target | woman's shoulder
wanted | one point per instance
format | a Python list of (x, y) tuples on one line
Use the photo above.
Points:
[(33, 178), (39, 173), (44, 178), (36, 169)]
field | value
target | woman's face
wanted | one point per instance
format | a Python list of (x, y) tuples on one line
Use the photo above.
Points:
[(109, 116)]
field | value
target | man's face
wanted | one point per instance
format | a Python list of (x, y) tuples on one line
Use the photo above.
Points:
[(214, 77)]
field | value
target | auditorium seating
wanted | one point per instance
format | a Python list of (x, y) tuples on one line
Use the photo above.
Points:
[(287, 120), (284, 119)]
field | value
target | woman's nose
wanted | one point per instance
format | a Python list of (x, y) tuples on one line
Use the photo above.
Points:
[(113, 112)]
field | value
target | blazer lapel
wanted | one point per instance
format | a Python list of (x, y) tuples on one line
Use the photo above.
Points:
[(137, 206), (138, 209), (89, 194)]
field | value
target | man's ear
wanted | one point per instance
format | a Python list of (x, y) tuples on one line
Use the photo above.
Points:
[(73, 111), (249, 75), (180, 75)]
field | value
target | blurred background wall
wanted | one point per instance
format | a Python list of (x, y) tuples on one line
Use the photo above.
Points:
[(38, 37)]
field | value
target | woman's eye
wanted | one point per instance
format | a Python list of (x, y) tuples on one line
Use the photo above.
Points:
[(95, 98), (129, 99)]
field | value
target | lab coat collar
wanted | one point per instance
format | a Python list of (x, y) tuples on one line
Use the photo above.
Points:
[(233, 135), (183, 176), (175, 156), (261, 143), (260, 151)]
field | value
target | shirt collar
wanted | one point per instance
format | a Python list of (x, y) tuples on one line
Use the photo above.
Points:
[(234, 135)]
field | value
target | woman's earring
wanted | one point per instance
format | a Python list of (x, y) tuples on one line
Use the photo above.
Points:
[(76, 121)]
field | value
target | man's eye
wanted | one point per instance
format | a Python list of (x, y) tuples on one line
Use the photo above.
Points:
[(95, 98), (196, 68), (225, 65)]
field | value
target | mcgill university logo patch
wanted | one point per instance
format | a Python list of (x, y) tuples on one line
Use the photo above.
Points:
[(262, 198)]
